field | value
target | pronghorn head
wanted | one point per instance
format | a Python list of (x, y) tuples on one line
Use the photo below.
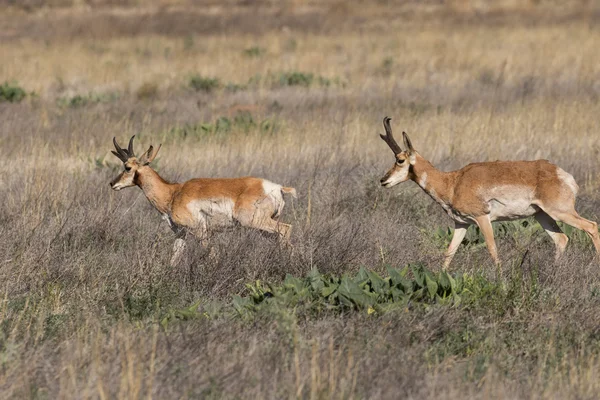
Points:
[(400, 172), (131, 163)]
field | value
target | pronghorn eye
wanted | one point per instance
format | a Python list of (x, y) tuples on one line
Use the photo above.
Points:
[(399, 161), (127, 168)]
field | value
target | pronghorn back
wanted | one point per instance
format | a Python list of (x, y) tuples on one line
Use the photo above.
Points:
[(229, 197), (536, 181)]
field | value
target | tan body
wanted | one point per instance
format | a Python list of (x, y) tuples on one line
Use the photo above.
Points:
[(481, 193), (204, 204)]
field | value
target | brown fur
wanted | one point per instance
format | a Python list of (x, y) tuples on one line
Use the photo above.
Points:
[(197, 203), (481, 193), (459, 188)]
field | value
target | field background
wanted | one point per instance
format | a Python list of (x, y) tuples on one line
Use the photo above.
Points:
[(295, 92)]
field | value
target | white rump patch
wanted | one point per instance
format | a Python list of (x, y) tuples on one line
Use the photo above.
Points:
[(568, 180), (273, 192)]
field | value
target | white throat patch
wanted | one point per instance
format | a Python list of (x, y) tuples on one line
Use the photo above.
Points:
[(422, 180)]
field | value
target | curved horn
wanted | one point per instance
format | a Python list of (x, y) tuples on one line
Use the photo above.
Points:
[(389, 138), (120, 152), (130, 147)]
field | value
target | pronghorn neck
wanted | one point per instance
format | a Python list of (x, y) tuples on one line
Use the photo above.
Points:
[(437, 184), (158, 191)]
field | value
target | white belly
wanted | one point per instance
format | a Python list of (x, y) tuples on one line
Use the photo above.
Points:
[(511, 202), (212, 212)]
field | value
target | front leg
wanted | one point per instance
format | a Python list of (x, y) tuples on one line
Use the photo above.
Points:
[(200, 232), (460, 230), (485, 225), (179, 244), (178, 252)]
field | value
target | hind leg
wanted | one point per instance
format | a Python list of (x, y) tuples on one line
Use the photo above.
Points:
[(264, 222), (553, 230), (573, 219), (272, 226)]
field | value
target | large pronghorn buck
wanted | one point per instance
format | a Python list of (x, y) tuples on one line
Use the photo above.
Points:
[(202, 204), (481, 193)]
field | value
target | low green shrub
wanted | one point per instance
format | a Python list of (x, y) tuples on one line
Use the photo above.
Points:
[(204, 84), (243, 122), (304, 79), (296, 79), (87, 99), (254, 51), (11, 92), (317, 293)]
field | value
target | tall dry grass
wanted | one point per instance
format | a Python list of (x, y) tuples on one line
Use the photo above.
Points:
[(84, 270)]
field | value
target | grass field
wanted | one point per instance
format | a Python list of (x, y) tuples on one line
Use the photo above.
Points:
[(295, 92)]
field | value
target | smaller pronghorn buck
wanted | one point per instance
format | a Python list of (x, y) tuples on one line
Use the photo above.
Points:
[(481, 193), (202, 204)]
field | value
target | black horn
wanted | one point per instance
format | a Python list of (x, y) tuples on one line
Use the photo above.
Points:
[(130, 147), (389, 138), (120, 153)]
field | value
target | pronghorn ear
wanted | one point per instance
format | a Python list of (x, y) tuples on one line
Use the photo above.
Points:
[(149, 156), (409, 148)]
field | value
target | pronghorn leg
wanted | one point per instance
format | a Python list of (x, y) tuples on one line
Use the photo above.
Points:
[(553, 230), (178, 252), (573, 219), (460, 230), (272, 226), (201, 233), (485, 225), (261, 221), (178, 245), (284, 230)]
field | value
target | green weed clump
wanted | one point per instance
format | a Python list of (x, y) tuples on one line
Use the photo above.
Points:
[(204, 84), (243, 122), (11, 92), (296, 78), (254, 51), (88, 99), (316, 293)]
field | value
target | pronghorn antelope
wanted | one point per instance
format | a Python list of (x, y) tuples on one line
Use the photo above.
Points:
[(493, 191), (199, 205)]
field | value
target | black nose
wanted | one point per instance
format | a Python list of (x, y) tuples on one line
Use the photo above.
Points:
[(382, 180)]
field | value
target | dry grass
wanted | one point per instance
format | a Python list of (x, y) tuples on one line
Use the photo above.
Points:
[(84, 273)]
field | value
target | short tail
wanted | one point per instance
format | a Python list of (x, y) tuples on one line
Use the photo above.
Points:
[(289, 190)]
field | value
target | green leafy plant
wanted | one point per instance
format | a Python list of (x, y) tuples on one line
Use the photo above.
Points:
[(11, 92), (254, 51), (304, 79), (204, 84), (315, 293), (91, 98), (235, 87), (296, 79), (243, 122)]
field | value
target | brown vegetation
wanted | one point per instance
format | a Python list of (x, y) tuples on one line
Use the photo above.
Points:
[(299, 95)]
